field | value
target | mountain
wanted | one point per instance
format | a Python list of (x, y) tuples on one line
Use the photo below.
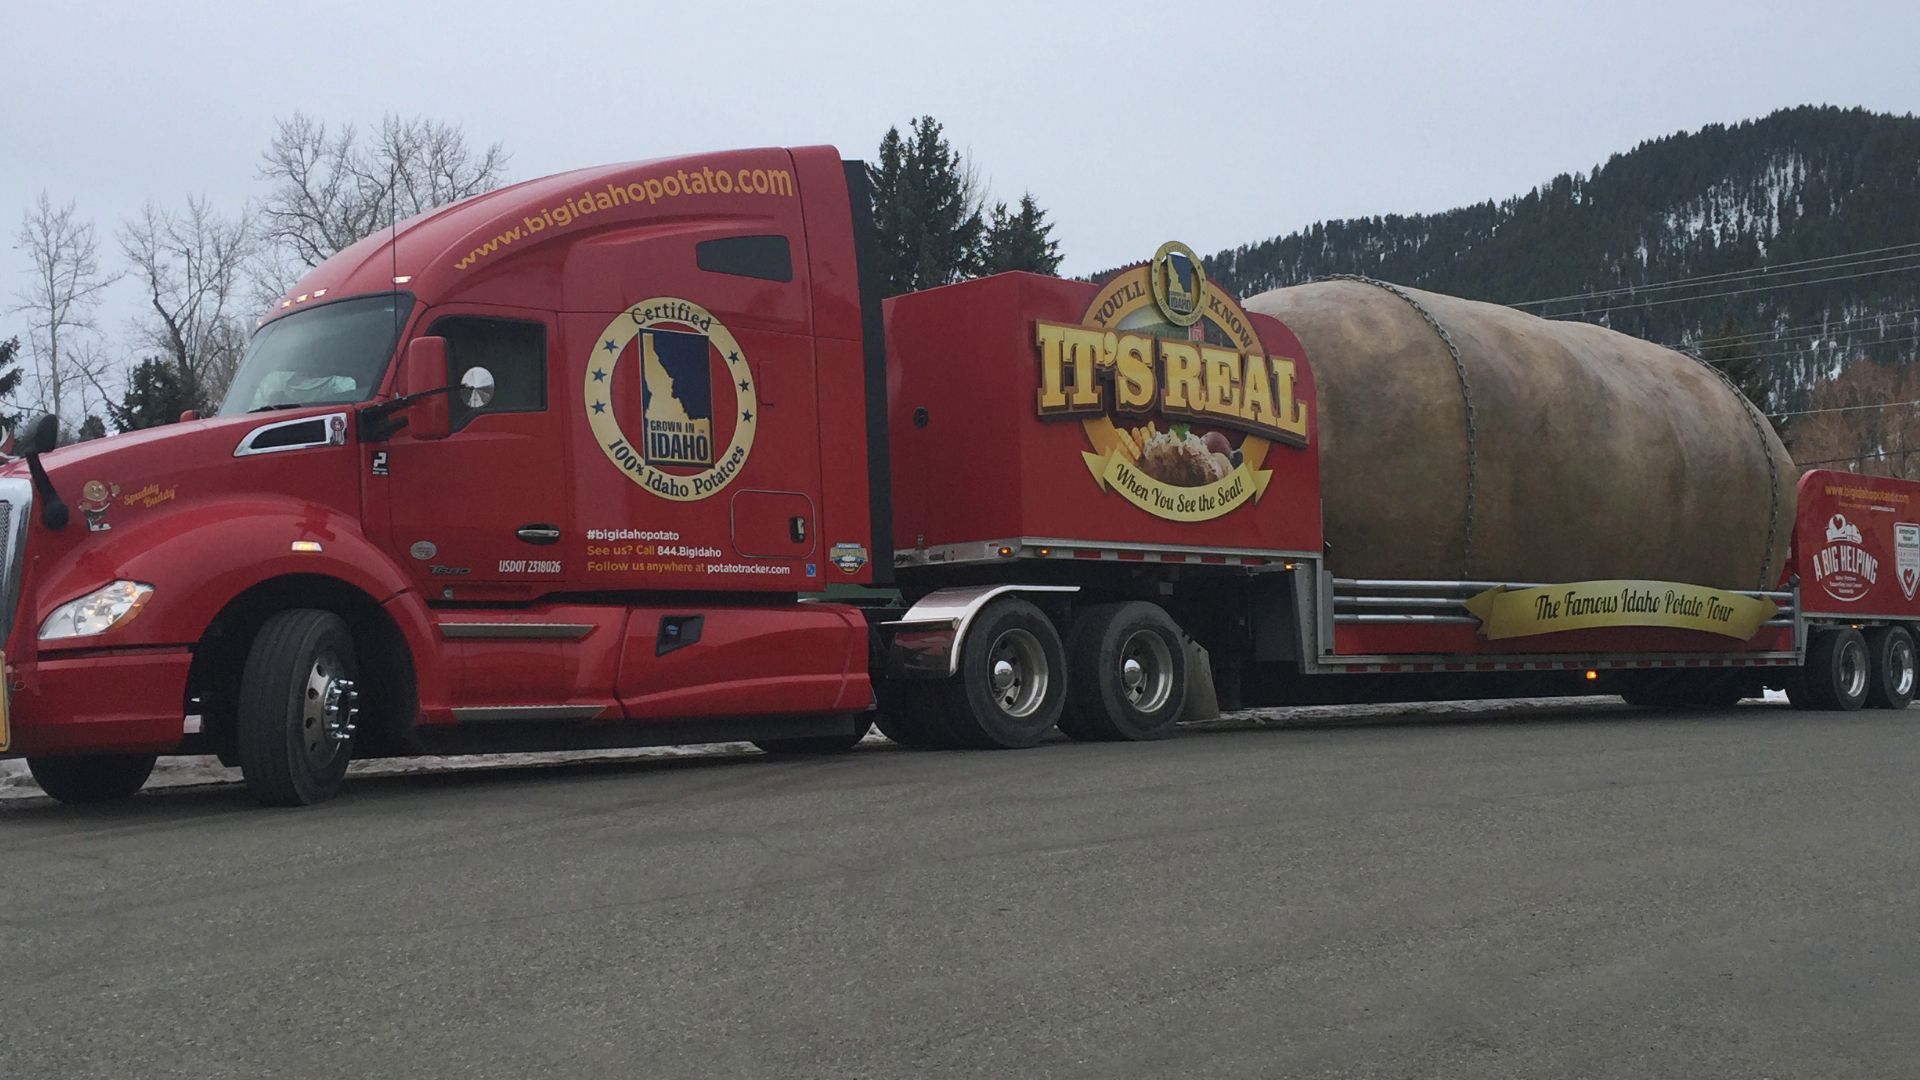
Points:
[(1804, 225)]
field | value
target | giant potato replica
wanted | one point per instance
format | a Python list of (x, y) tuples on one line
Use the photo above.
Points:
[(1474, 440)]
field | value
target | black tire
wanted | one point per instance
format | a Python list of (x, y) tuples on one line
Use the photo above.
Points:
[(989, 707), (1108, 645), (103, 778), (1837, 669), (907, 714), (288, 695), (818, 744), (1890, 649)]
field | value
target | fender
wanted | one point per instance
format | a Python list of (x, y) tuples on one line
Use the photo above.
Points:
[(926, 643), (199, 558)]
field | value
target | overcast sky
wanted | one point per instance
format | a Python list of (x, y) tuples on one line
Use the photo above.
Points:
[(1132, 122)]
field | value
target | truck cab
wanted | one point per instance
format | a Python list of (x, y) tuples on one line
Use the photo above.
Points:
[(549, 467)]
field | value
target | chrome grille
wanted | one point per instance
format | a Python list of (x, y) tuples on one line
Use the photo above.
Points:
[(16, 507)]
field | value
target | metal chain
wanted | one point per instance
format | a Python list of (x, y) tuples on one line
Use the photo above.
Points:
[(1760, 427), (1466, 397)]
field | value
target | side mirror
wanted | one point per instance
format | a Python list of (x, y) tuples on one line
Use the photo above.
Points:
[(189, 416), (41, 436), (425, 369)]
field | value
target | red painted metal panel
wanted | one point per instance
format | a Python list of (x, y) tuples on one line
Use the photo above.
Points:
[(1856, 545), (975, 461)]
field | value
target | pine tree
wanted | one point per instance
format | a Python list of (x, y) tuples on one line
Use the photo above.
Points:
[(10, 375), (1735, 355), (92, 428), (926, 210), (1019, 240), (155, 395)]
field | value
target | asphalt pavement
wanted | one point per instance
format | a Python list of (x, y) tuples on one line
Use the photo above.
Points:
[(1584, 891)]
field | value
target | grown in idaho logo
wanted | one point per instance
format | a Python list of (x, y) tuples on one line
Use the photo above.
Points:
[(1179, 400), (670, 399)]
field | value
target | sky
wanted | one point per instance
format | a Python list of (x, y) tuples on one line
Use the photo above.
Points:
[(1130, 122)]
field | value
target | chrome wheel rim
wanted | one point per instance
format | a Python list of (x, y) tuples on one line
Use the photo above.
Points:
[(329, 709), (1900, 660), (1017, 673), (1146, 670), (1853, 671)]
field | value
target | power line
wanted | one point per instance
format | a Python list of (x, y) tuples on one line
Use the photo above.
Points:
[(1735, 292), (1785, 353), (1856, 457), (1843, 408), (1789, 333), (1674, 283)]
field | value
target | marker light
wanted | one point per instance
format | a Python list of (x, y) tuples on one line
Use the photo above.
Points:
[(307, 546), (1592, 674), (1006, 552), (97, 612)]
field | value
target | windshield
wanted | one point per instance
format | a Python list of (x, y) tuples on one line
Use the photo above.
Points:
[(329, 355)]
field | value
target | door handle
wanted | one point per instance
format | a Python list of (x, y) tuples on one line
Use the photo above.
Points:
[(538, 533), (797, 528)]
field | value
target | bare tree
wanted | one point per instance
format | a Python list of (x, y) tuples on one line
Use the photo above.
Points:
[(330, 189), (1868, 421), (60, 301), (189, 265)]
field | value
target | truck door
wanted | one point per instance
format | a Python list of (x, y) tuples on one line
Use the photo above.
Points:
[(481, 512), (698, 463)]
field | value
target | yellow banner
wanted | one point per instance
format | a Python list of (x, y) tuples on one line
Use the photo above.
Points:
[(1113, 468), (1587, 605)]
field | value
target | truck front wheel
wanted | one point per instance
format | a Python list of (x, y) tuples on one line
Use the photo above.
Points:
[(1012, 680), (1891, 651), (1128, 673), (101, 779), (907, 713), (298, 704), (1837, 669)]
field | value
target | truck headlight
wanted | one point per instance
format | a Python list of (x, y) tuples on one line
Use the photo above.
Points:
[(97, 612)]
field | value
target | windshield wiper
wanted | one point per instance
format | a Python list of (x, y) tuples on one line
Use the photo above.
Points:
[(277, 407)]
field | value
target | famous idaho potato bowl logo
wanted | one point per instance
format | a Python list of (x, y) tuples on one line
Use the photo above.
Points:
[(669, 396), (1178, 398)]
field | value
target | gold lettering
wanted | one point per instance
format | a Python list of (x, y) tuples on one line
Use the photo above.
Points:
[(1050, 337), (1256, 406), (1223, 380), (1292, 417), (1133, 373), (1083, 352), (1181, 379)]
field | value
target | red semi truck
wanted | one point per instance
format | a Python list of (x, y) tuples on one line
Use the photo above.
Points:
[(576, 463)]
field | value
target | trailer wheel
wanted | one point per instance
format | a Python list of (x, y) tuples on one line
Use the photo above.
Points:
[(99, 779), (1838, 667), (1012, 680), (818, 744), (1891, 651), (297, 708), (1127, 673)]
